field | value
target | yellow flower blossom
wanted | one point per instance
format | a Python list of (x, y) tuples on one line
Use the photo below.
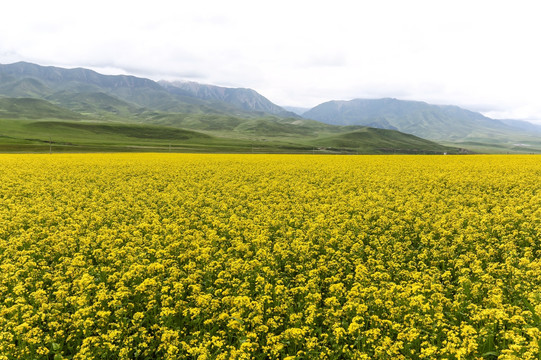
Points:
[(269, 256)]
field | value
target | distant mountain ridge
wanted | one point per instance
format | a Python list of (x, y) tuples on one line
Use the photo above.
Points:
[(51, 83), (52, 76), (24, 79), (434, 122), (246, 99)]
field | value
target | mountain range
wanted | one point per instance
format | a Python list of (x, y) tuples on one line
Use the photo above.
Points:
[(31, 91), (435, 122), (61, 86)]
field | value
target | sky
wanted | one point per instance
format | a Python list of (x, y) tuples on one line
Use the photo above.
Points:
[(478, 54)]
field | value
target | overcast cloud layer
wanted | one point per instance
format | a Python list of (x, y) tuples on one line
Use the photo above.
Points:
[(481, 55)]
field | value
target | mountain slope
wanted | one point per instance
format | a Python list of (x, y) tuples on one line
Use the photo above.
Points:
[(383, 141), (268, 126), (523, 125), (246, 99), (97, 103), (54, 76), (25, 87), (435, 122), (48, 82), (28, 108)]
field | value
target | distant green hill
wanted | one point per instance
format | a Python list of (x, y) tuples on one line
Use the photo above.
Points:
[(56, 83), (268, 126), (435, 122), (64, 135), (83, 135), (61, 85), (28, 108), (383, 141)]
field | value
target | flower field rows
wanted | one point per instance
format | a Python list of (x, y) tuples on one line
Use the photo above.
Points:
[(146, 256)]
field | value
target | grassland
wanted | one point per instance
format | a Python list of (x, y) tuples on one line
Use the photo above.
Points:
[(82, 136), (73, 122), (160, 133)]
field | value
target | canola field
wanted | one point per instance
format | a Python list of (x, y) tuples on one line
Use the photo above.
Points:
[(179, 256)]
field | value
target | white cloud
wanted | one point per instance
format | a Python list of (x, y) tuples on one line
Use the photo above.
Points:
[(477, 54)]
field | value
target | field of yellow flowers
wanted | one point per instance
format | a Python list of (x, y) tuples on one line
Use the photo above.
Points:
[(175, 256)]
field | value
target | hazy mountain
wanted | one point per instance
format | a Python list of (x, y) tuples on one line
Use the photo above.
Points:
[(31, 80), (246, 99), (435, 122), (297, 110), (523, 125), (60, 78), (77, 89)]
